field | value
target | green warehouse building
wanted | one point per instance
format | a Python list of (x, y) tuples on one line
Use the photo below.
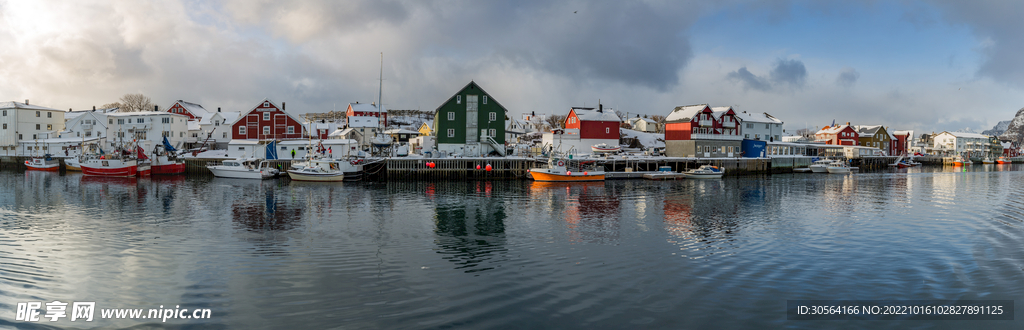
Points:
[(471, 123)]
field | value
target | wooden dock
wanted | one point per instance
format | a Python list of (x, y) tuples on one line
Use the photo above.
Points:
[(454, 169)]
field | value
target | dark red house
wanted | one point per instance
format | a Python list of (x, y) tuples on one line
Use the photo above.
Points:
[(192, 110), (899, 144), (367, 110), (593, 124), (266, 122), (840, 135)]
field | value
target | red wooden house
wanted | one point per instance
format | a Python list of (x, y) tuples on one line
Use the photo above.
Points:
[(593, 124), (267, 122), (900, 142), (363, 110), (841, 135), (192, 110), (700, 131)]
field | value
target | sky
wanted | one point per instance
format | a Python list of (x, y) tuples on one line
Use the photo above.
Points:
[(921, 65)]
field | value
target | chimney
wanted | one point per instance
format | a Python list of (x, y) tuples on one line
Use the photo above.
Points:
[(218, 109), (156, 108), (533, 113), (284, 106), (94, 108), (26, 101)]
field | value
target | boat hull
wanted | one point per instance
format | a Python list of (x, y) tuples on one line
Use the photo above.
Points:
[(71, 164), (220, 172), (47, 168), (169, 169), (544, 176), (703, 175), (126, 170), (818, 169), (839, 170), (320, 177)]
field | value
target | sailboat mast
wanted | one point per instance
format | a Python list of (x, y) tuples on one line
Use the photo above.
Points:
[(380, 91)]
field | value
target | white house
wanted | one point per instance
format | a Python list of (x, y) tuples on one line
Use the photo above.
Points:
[(959, 143), (364, 128), (643, 124), (146, 127), (242, 148), (23, 122), (761, 126), (216, 126)]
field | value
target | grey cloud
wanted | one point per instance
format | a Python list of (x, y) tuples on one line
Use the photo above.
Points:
[(997, 25), (847, 78), (786, 73)]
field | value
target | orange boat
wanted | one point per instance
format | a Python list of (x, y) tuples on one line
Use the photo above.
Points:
[(961, 161), (559, 172), (1002, 160)]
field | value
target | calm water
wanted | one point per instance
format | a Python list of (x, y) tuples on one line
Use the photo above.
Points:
[(621, 254)]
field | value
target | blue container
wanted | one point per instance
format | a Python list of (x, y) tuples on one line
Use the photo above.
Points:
[(753, 148)]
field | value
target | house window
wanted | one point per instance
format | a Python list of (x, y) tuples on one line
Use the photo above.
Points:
[(20, 137), (750, 125), (34, 137), (746, 136), (266, 104), (5, 112), (266, 130), (485, 101), (140, 120), (49, 115), (291, 129), (49, 126), (765, 126), (165, 120), (241, 148), (451, 132), (266, 116), (37, 113), (241, 130), (216, 123), (195, 135), (111, 121), (451, 116), (492, 132), (37, 127), (458, 99), (225, 135), (492, 116)]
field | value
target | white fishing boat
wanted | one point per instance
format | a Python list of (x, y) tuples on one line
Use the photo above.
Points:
[(45, 163), (331, 170), (72, 164), (839, 167), (604, 148), (242, 168), (705, 172), (987, 160), (820, 166)]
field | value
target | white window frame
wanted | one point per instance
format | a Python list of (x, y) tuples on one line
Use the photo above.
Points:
[(458, 99), (485, 100), (451, 115), (492, 132), (493, 115), (241, 130), (266, 104), (266, 116), (291, 129), (607, 130), (266, 130), (451, 132)]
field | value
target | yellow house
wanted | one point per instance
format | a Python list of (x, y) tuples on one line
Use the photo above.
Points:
[(425, 130)]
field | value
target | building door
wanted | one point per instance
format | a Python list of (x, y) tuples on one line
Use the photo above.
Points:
[(471, 119), (252, 127)]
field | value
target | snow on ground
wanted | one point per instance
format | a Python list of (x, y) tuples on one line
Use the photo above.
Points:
[(649, 140)]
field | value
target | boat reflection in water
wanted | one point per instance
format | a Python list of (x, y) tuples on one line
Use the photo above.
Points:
[(470, 229), (266, 213), (590, 213)]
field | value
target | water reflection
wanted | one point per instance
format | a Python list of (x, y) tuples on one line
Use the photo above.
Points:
[(259, 209), (590, 211), (470, 232)]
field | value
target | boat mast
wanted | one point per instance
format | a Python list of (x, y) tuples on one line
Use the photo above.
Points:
[(380, 91)]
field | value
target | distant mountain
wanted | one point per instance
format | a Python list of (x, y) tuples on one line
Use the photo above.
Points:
[(1015, 131), (998, 129)]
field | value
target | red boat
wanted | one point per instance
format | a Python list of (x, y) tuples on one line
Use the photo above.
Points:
[(163, 165), (42, 164), (110, 167)]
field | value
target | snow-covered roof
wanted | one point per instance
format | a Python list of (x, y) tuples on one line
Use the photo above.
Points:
[(341, 132), (832, 130), (685, 113), (763, 117), (867, 130), (906, 132), (19, 105), (590, 114), (196, 109), (1006, 145), (364, 107), (718, 112), (69, 140), (363, 121), (636, 119), (400, 131), (144, 114), (650, 140), (966, 135), (228, 116)]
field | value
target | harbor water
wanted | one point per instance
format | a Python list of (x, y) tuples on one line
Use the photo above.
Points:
[(629, 254)]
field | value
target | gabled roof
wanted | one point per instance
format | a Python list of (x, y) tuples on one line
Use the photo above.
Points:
[(763, 117), (196, 109), (966, 135), (833, 129), (865, 130), (590, 114), (23, 106), (228, 116), (685, 113), (233, 122), (471, 83), (365, 107), (718, 112), (400, 131)]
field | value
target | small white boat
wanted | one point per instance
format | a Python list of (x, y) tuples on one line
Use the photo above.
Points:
[(820, 166), (603, 148), (243, 169), (839, 167), (704, 172), (329, 170), (72, 164)]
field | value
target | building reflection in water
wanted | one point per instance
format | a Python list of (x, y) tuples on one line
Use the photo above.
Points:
[(701, 216), (263, 211), (590, 211), (470, 225)]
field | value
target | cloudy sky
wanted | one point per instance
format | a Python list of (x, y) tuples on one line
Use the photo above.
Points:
[(925, 65)]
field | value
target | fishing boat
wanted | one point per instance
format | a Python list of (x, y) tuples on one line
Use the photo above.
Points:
[(104, 166), (839, 167), (704, 172), (1002, 160), (559, 172), (330, 170), (961, 161), (604, 148), (166, 161), (820, 166), (243, 169), (987, 160), (72, 164), (45, 163)]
